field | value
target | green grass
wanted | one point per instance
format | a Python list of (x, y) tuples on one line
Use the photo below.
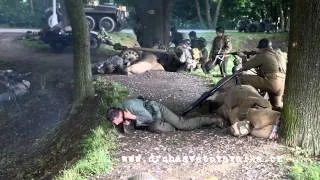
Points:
[(239, 40), (33, 44), (98, 145), (305, 170), (96, 155)]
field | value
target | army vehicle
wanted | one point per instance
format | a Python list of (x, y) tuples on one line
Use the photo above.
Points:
[(108, 16)]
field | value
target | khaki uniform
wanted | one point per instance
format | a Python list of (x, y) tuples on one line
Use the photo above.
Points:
[(149, 63), (271, 66), (219, 43), (243, 105)]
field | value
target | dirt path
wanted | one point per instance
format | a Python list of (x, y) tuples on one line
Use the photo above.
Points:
[(207, 153), (216, 154)]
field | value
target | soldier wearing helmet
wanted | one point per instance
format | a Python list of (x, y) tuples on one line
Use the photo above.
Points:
[(271, 69), (220, 45)]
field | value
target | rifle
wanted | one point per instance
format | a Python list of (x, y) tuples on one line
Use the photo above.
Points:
[(207, 94), (248, 53)]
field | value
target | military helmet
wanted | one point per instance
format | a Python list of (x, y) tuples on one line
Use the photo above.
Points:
[(202, 42), (264, 43), (220, 29), (192, 33)]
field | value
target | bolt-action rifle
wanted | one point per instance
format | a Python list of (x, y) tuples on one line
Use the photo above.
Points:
[(207, 94)]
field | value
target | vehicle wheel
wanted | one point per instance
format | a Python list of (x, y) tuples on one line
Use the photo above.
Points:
[(107, 23), (91, 23), (130, 55), (94, 42), (57, 46)]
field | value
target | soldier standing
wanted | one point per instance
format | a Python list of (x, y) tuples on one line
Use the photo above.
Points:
[(176, 37), (271, 70), (221, 45)]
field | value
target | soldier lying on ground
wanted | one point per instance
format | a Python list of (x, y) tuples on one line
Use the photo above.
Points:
[(155, 116), (247, 112), (13, 85), (148, 63)]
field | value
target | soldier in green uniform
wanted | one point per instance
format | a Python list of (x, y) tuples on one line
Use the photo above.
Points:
[(156, 117), (176, 37), (220, 45), (271, 68)]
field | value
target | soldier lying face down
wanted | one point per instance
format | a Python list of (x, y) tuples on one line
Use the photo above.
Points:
[(148, 63), (247, 112), (140, 112)]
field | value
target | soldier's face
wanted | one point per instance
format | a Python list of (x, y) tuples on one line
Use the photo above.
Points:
[(118, 119), (219, 34)]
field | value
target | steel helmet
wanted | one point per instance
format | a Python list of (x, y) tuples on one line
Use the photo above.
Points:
[(264, 43)]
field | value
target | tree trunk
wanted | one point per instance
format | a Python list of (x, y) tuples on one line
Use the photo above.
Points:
[(65, 20), (208, 13), (198, 9), (217, 13), (81, 50), (31, 3), (282, 18), (301, 123), (154, 17)]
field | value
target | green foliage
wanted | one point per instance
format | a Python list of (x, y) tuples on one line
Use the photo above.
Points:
[(96, 147), (305, 171)]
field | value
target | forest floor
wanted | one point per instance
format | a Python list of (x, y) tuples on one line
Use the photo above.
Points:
[(204, 154)]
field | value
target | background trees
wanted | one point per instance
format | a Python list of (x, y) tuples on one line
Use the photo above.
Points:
[(185, 14)]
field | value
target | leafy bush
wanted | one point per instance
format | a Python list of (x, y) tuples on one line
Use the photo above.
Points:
[(305, 171)]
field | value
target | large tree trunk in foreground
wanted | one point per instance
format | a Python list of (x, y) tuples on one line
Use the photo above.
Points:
[(81, 50), (154, 17), (301, 123), (208, 13), (198, 9), (217, 14)]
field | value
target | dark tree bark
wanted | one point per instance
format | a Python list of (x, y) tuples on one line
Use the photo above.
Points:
[(198, 9), (301, 123), (154, 17), (208, 13), (81, 50), (217, 14), (31, 3)]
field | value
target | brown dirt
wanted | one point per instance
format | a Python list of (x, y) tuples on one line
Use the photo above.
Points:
[(175, 90)]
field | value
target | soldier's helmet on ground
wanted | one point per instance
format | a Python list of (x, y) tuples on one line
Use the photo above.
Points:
[(264, 43)]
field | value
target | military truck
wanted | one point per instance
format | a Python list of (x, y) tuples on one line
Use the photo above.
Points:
[(109, 16)]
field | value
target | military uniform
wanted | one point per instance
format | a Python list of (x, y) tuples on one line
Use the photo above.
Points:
[(271, 70), (176, 38), (159, 118), (222, 44), (244, 108)]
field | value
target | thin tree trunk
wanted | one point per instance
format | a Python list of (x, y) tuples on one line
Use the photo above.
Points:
[(81, 50), (31, 3), (282, 18), (208, 13), (198, 9), (301, 123), (217, 14)]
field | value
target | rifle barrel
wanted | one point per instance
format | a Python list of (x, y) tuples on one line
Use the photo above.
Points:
[(207, 94)]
